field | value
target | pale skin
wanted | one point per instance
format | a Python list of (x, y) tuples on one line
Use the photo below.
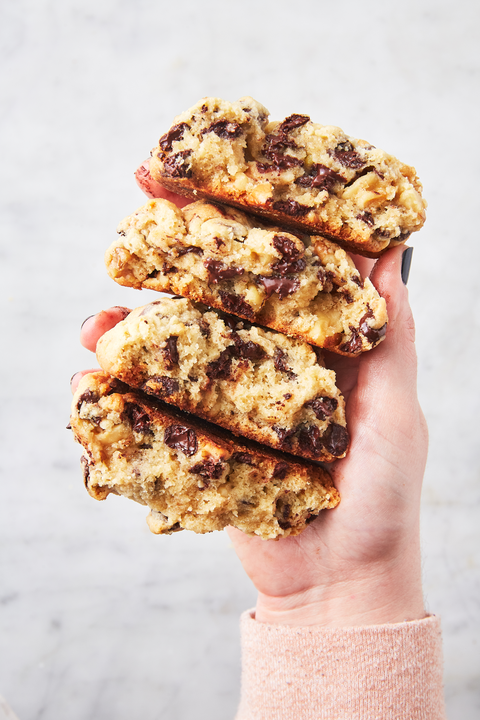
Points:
[(360, 563)]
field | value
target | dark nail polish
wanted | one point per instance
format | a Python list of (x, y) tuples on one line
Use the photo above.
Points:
[(75, 373), (406, 262), (88, 318)]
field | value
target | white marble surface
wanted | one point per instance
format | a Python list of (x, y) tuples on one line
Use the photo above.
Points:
[(98, 618)]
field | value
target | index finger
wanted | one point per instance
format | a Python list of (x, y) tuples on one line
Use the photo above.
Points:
[(153, 189), (97, 325)]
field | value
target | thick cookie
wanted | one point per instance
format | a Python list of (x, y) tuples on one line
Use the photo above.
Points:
[(304, 287), (190, 475), (297, 173), (254, 382)]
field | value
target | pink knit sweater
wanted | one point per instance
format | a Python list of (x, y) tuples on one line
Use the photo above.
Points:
[(384, 672)]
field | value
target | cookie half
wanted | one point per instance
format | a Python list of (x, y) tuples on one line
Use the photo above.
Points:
[(189, 474), (295, 172), (254, 382), (306, 287)]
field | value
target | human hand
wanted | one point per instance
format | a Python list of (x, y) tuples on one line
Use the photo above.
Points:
[(359, 564)]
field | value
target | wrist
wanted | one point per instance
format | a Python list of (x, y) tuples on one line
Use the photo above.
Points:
[(382, 594)]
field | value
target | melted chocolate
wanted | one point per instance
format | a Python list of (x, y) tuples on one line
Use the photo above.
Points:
[(291, 208), (170, 350), (225, 129), (347, 156), (179, 437), (236, 305), (190, 249), (176, 166), (321, 177), (280, 471), (218, 271), (280, 285), (137, 417), (336, 440), (373, 335), (208, 469), (280, 361), (323, 407), (292, 122), (243, 457), (175, 133)]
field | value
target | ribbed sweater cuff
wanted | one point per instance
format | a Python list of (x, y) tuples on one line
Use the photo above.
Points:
[(389, 672)]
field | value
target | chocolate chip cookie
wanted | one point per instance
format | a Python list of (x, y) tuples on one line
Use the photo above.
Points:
[(297, 173), (303, 286), (188, 473), (254, 382)]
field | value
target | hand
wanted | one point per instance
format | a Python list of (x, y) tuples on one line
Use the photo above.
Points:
[(358, 564)]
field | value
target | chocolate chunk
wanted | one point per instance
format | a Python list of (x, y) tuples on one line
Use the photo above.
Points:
[(169, 386), (85, 470), (291, 208), (145, 446), (87, 397), (373, 335), (137, 417), (218, 271), (323, 407), (280, 471), (287, 396), (175, 133), (366, 217), (348, 297), (177, 166), (284, 436), (280, 285), (218, 242), (336, 440), (179, 437), (170, 350), (248, 350), (347, 156), (208, 469), (292, 122), (225, 129), (286, 247), (280, 361), (354, 345), (204, 327), (283, 513), (284, 267), (242, 457), (358, 281), (321, 177), (190, 249), (221, 369), (310, 440), (318, 354), (236, 305)]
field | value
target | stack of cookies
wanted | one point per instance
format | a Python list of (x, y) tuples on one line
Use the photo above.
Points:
[(214, 406)]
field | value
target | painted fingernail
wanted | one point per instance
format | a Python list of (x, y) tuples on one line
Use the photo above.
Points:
[(406, 262), (76, 373), (88, 318)]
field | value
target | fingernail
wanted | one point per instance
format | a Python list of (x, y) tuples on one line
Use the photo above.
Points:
[(75, 373), (406, 262), (88, 318)]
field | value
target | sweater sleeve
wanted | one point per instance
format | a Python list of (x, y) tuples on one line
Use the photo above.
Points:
[(389, 672)]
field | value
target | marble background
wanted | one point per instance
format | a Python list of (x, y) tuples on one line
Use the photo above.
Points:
[(99, 618)]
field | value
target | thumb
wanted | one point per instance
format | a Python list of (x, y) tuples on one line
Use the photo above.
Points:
[(394, 361)]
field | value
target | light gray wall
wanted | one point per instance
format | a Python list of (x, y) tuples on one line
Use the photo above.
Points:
[(98, 618)]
